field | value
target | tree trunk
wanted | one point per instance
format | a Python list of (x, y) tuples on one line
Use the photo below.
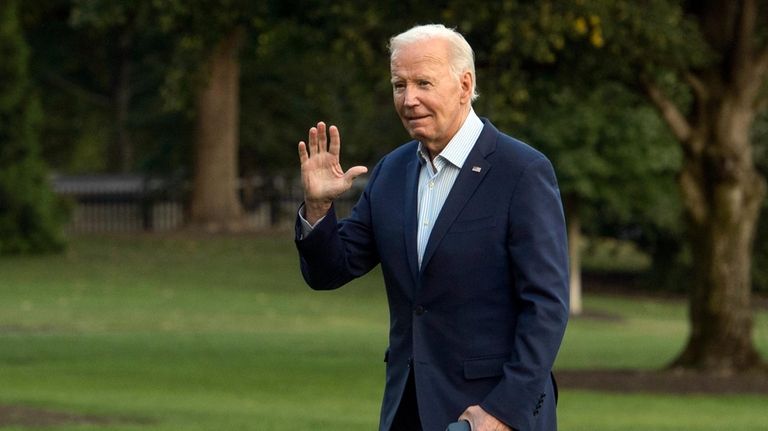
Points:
[(722, 192), (215, 204), (122, 153), (574, 254)]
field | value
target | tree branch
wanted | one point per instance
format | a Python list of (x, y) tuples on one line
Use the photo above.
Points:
[(697, 85), (671, 114), (743, 43)]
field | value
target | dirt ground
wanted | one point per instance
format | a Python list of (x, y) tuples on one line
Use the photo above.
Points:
[(18, 415), (664, 381)]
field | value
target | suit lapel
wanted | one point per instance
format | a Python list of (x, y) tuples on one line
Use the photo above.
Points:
[(475, 168), (411, 216)]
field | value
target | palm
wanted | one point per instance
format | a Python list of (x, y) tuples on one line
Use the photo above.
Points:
[(323, 177), (321, 174)]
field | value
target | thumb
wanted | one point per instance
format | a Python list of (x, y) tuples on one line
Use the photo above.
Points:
[(354, 172)]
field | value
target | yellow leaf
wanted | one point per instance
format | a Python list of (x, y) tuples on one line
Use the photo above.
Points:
[(597, 38), (580, 25)]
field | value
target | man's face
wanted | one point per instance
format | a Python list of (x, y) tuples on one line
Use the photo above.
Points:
[(431, 102)]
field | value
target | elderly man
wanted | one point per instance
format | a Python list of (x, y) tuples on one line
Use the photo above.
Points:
[(468, 227)]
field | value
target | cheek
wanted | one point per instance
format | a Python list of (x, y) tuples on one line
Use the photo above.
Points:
[(397, 100)]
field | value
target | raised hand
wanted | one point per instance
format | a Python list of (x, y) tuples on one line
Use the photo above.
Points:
[(321, 174)]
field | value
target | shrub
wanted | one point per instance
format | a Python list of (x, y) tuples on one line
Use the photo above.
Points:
[(29, 220)]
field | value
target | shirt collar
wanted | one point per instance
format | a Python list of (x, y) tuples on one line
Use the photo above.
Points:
[(458, 148)]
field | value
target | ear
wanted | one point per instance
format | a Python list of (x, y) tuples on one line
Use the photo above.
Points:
[(465, 81)]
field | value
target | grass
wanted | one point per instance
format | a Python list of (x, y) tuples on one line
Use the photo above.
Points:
[(209, 333)]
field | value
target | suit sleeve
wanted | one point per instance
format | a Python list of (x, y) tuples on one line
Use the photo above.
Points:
[(335, 252), (537, 246)]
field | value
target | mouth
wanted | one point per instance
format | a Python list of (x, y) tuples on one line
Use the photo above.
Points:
[(415, 118)]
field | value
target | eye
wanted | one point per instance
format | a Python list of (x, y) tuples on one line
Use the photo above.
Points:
[(423, 83), (398, 86)]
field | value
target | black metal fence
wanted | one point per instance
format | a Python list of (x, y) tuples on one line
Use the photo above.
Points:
[(132, 203)]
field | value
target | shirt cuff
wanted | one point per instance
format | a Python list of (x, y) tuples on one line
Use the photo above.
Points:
[(306, 228)]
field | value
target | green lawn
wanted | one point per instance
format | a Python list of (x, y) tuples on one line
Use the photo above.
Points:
[(220, 333)]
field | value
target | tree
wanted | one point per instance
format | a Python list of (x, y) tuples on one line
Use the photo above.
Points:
[(208, 36), (28, 211), (202, 39), (704, 66), (721, 189)]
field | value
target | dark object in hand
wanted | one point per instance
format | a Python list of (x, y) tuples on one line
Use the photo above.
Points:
[(459, 426)]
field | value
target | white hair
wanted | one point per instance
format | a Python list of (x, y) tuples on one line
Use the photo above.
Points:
[(462, 58)]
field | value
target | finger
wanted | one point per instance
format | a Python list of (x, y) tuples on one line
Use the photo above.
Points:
[(303, 155), (322, 137), (313, 146), (468, 416), (354, 172), (335, 146)]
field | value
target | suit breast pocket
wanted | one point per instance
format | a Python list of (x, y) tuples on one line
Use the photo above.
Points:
[(473, 225)]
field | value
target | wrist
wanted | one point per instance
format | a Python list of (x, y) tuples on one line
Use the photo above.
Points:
[(315, 210)]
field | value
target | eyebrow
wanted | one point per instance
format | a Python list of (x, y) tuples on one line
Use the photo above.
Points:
[(414, 78)]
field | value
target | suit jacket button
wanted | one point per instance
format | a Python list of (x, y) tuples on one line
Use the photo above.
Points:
[(419, 310)]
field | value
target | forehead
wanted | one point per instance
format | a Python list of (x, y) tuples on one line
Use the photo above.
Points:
[(430, 54)]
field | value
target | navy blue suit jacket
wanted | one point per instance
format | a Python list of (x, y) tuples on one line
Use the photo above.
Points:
[(482, 320)]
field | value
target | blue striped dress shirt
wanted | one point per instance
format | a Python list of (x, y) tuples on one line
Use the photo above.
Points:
[(437, 178)]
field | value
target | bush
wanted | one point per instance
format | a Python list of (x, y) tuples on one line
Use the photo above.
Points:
[(28, 216)]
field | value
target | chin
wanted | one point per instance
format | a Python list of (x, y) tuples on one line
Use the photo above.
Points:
[(415, 135), (418, 134)]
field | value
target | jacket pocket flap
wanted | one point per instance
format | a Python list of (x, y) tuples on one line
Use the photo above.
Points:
[(484, 367)]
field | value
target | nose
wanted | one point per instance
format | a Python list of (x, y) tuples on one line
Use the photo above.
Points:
[(410, 97)]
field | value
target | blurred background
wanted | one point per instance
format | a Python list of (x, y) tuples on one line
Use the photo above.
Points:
[(149, 184)]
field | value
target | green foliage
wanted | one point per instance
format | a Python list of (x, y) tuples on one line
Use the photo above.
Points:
[(28, 219), (78, 50), (609, 149), (609, 255)]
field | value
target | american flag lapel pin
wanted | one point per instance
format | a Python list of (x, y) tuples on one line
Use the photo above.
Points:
[(476, 169)]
